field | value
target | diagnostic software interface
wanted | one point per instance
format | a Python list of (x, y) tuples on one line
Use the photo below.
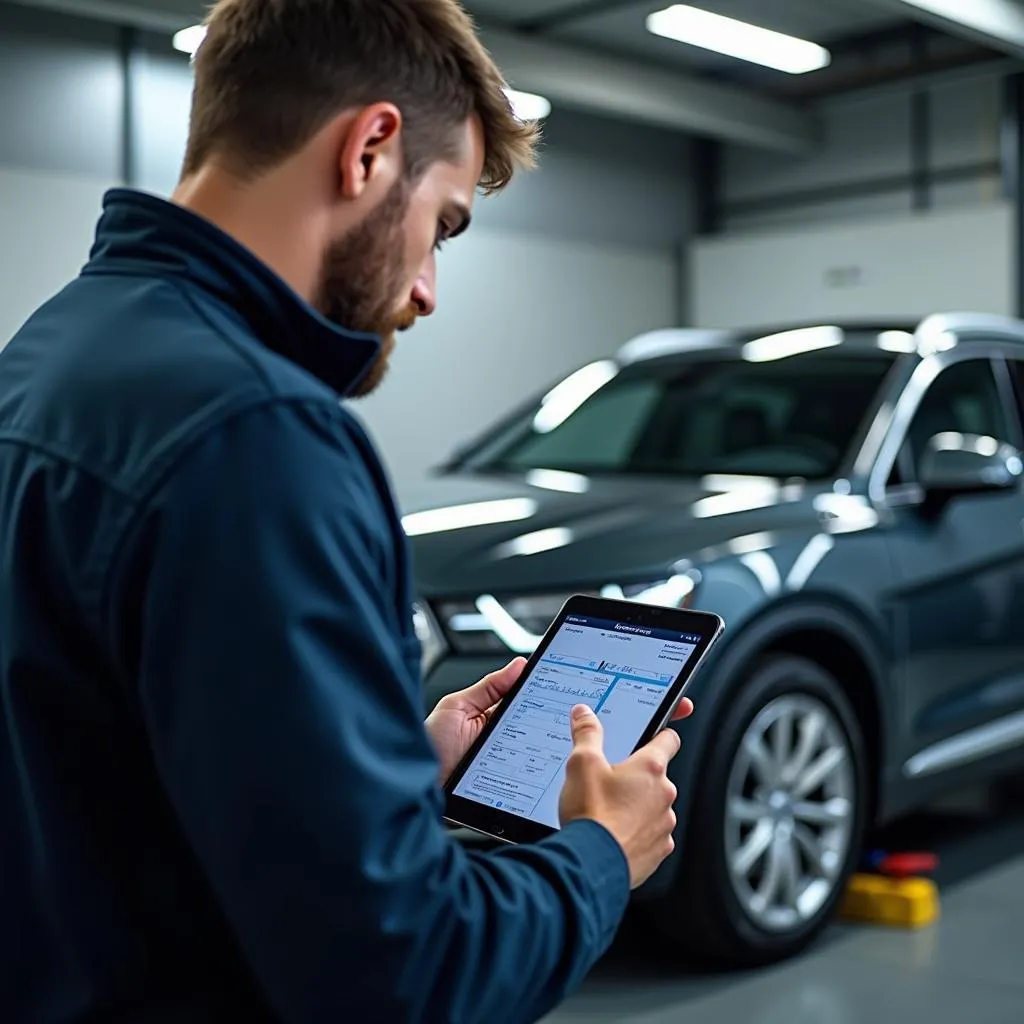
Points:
[(621, 670)]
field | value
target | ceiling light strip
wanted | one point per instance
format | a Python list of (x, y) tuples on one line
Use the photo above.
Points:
[(733, 38)]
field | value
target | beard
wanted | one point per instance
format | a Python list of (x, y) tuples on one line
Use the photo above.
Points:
[(361, 276)]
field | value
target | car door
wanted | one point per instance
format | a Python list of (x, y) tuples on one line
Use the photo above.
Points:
[(960, 593)]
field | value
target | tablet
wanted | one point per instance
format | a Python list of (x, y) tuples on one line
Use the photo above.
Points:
[(630, 662)]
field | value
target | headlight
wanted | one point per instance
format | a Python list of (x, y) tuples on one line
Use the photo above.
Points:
[(431, 639), (490, 625)]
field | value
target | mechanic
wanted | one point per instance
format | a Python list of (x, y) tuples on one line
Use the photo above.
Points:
[(218, 795)]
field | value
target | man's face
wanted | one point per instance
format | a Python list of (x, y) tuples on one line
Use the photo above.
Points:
[(380, 277)]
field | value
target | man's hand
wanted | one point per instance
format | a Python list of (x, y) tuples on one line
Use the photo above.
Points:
[(633, 800), (459, 718)]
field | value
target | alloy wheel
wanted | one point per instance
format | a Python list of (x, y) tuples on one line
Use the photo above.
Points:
[(791, 811)]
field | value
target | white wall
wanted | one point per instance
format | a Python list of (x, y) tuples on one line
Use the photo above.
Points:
[(898, 267), (516, 312), (47, 221)]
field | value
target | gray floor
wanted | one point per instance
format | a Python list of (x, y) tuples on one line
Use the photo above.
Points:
[(969, 967)]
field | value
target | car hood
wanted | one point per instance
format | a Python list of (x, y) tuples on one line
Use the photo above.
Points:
[(473, 533)]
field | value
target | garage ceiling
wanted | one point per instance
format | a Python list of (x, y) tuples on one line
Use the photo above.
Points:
[(598, 55), (611, 24), (619, 24), (616, 24)]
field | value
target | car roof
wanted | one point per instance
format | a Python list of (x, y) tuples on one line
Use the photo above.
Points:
[(811, 336), (896, 337)]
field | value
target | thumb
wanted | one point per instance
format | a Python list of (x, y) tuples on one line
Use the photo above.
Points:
[(495, 687), (587, 731)]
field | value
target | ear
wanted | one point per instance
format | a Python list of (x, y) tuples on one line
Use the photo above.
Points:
[(371, 150)]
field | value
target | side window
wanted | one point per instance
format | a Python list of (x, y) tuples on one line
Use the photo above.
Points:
[(963, 399)]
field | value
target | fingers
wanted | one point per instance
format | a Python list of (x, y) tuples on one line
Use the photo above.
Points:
[(587, 731), (684, 710), (662, 749)]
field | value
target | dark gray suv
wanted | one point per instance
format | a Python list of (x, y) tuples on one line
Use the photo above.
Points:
[(849, 499)]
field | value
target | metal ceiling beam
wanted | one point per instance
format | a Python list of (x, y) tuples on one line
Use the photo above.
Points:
[(999, 24), (117, 12), (632, 90), (582, 79), (562, 16)]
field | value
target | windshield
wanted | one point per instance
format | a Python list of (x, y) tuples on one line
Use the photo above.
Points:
[(718, 414)]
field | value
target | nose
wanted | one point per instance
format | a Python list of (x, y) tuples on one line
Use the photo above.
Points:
[(424, 291)]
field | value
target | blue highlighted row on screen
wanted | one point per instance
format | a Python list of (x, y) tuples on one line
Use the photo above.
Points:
[(604, 669)]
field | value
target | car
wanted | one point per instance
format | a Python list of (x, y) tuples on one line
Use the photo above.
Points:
[(848, 498)]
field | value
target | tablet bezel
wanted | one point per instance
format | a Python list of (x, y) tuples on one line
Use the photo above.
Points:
[(511, 828)]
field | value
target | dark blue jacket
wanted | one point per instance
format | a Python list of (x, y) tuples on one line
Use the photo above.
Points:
[(217, 798)]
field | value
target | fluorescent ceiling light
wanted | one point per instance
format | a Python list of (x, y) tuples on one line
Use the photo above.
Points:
[(527, 106), (686, 24), (188, 40)]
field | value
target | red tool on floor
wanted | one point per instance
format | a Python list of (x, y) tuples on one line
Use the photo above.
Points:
[(903, 865)]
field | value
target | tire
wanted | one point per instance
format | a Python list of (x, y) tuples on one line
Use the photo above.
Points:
[(717, 912)]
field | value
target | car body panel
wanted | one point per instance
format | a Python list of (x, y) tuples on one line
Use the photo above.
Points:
[(960, 599)]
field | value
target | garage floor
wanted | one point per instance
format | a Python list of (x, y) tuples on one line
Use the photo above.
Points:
[(968, 967)]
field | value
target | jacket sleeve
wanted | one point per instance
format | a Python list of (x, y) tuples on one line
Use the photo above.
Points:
[(286, 727)]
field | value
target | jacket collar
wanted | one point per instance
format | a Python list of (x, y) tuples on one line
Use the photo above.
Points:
[(150, 235)]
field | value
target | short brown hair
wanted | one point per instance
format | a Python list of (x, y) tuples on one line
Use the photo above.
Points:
[(271, 73)]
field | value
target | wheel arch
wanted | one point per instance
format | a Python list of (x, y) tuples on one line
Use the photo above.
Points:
[(832, 637)]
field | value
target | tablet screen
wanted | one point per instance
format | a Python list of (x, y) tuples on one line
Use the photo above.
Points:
[(623, 671)]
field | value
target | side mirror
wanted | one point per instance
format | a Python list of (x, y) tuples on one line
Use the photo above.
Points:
[(961, 464)]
